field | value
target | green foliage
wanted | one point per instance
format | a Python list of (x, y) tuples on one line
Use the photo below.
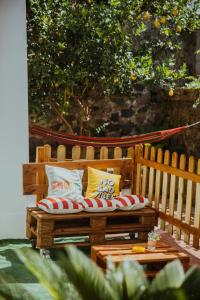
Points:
[(79, 278), (82, 50)]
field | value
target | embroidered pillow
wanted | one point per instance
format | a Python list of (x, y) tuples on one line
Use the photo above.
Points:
[(102, 184), (59, 206), (130, 202), (64, 183), (98, 205)]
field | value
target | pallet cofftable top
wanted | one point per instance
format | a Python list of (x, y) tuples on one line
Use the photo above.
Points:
[(162, 254)]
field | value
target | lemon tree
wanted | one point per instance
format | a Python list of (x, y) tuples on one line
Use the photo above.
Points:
[(79, 51)]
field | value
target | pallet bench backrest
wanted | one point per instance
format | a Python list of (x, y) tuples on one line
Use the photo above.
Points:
[(35, 181)]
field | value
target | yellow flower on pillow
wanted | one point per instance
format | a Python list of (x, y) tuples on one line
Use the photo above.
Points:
[(102, 184)]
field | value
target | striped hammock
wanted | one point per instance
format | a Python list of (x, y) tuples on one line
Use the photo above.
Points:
[(106, 141)]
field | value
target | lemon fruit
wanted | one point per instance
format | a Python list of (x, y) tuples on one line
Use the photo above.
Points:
[(146, 16), (171, 92), (133, 76), (175, 11), (178, 28), (163, 20), (156, 23), (138, 249)]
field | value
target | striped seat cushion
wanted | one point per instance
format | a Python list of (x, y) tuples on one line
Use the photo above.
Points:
[(130, 202), (59, 205), (98, 205)]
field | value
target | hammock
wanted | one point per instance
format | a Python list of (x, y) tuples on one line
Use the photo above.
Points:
[(107, 141)]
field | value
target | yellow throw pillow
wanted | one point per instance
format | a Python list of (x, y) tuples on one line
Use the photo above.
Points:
[(102, 184)]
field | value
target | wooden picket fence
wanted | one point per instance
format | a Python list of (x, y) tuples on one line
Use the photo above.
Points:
[(171, 182), (172, 185)]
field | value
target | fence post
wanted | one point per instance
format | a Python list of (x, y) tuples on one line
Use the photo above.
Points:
[(40, 157), (137, 169)]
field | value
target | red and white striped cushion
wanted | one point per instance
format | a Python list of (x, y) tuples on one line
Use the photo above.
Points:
[(59, 206), (130, 202), (98, 205)]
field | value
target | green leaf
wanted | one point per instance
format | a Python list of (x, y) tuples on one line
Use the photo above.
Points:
[(49, 274), (171, 276), (191, 284), (87, 278), (12, 291)]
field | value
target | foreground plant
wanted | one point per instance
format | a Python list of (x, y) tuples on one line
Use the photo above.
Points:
[(77, 277)]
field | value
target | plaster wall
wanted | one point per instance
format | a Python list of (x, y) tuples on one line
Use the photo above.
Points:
[(13, 117)]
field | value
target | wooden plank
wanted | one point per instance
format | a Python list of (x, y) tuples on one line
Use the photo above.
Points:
[(170, 170), (131, 154), (90, 153), (61, 153), (164, 188), (31, 170), (104, 152), (82, 164), (137, 169), (158, 179), (122, 252), (40, 174), (172, 190), (151, 258), (76, 152), (178, 223), (151, 176), (117, 152), (117, 155), (197, 209), (82, 215), (47, 150), (180, 195), (144, 171), (188, 207), (138, 179)]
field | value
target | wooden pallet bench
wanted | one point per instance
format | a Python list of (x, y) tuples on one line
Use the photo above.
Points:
[(43, 228)]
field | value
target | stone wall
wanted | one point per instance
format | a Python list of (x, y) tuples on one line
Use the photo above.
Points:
[(151, 112), (146, 112)]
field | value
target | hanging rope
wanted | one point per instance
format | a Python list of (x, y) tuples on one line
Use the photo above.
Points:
[(107, 141)]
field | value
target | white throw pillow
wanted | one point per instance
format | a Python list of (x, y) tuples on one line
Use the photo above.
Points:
[(64, 183)]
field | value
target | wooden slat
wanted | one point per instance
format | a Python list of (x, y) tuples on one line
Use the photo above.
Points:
[(151, 176), (130, 152), (90, 153), (117, 152), (31, 170), (76, 152), (104, 153), (172, 190), (151, 257), (158, 179), (117, 155), (180, 195), (40, 175), (188, 207), (137, 169), (144, 172), (164, 188), (47, 150), (178, 223), (61, 153), (197, 209), (170, 170), (148, 212)]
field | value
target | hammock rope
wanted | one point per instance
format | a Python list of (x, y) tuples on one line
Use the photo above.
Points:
[(107, 141)]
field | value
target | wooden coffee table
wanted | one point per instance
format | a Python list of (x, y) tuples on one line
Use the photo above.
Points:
[(152, 261)]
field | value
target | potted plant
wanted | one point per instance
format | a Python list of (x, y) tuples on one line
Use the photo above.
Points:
[(153, 237)]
